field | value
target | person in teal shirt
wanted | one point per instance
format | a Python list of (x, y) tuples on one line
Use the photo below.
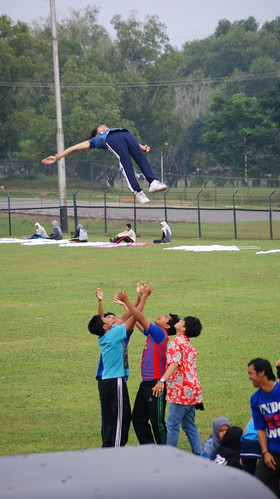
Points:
[(114, 397)]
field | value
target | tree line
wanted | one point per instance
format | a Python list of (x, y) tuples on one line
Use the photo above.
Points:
[(212, 107)]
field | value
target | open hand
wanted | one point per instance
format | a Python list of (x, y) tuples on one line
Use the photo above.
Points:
[(270, 461), (121, 296), (49, 160), (99, 294), (148, 290), (158, 389)]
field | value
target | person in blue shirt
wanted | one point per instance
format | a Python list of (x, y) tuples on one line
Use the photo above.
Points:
[(114, 398), (100, 368), (265, 406), (250, 448), (123, 145), (220, 426)]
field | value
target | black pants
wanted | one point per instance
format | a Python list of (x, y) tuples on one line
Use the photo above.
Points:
[(148, 408), (268, 476), (116, 411)]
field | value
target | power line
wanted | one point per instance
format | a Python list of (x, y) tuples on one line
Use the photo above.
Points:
[(171, 83)]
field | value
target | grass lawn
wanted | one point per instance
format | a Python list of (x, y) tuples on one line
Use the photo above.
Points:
[(49, 398)]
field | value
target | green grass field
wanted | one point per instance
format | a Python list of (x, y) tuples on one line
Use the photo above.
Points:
[(49, 398)]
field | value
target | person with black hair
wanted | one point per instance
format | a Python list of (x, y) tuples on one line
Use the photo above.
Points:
[(114, 398), (148, 416), (278, 369), (183, 388), (265, 405), (127, 236), (123, 145), (100, 368)]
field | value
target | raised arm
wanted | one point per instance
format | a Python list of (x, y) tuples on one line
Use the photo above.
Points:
[(99, 296), (132, 319), (136, 311), (139, 289), (77, 147)]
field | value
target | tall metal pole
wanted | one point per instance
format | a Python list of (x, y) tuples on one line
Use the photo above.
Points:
[(161, 166), (59, 134)]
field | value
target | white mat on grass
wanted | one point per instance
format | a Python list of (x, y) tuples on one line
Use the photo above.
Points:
[(10, 240), (41, 242), (213, 247), (267, 252), (30, 242), (69, 244)]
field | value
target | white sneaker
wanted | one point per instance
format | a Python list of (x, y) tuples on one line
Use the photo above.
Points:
[(156, 186), (141, 197)]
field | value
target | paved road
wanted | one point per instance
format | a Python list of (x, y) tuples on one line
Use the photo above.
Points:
[(143, 213)]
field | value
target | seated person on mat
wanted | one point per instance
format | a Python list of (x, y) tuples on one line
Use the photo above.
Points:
[(128, 236), (40, 232), (80, 235), (57, 232), (166, 234)]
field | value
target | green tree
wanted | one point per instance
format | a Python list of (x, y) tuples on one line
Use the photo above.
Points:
[(237, 134)]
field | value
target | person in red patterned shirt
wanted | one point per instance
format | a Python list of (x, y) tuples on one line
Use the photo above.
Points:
[(183, 388)]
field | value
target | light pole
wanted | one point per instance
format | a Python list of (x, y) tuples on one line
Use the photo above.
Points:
[(59, 134), (161, 163), (161, 166)]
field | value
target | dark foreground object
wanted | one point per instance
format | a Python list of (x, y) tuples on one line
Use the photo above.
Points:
[(144, 472)]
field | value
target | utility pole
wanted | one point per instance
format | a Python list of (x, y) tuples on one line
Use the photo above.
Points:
[(59, 134)]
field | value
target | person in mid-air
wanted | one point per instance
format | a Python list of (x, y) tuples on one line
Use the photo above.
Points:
[(122, 144)]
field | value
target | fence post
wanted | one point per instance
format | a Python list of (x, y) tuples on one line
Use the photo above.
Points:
[(198, 213), (165, 208), (215, 189), (9, 212), (234, 213), (91, 174), (105, 212), (75, 207), (270, 214)]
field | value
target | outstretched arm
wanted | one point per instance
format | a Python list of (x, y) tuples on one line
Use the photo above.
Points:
[(131, 321), (77, 147), (127, 314), (99, 296), (136, 311)]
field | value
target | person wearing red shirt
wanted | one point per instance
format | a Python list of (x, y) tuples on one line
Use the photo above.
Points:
[(183, 388)]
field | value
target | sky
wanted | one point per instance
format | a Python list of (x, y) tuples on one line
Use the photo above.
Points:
[(186, 20)]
